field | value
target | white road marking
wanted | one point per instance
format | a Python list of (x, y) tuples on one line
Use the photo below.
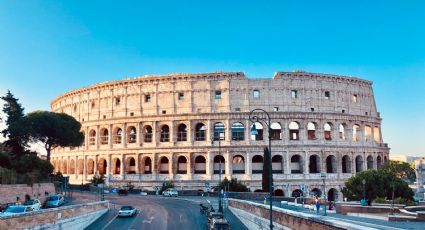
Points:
[(148, 221), (104, 227), (181, 218)]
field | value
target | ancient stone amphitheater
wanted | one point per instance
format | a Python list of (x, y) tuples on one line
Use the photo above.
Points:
[(179, 127)]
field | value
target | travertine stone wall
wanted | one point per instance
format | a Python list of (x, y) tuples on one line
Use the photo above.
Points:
[(133, 130), (10, 192)]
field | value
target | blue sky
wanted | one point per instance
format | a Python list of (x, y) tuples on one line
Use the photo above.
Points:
[(50, 47)]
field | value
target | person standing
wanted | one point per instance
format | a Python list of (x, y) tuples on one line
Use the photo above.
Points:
[(317, 206)]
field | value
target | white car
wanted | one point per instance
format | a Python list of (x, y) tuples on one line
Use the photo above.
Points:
[(34, 204), (15, 210), (54, 201), (170, 192), (127, 211)]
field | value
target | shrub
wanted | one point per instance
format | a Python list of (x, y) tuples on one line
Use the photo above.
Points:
[(380, 200)]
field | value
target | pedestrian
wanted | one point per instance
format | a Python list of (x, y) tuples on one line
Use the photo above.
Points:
[(317, 206)]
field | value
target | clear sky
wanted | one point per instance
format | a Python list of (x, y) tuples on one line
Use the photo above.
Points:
[(50, 47)]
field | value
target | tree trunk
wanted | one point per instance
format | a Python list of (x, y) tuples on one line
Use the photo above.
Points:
[(48, 149)]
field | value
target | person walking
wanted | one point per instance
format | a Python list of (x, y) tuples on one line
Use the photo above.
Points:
[(317, 206)]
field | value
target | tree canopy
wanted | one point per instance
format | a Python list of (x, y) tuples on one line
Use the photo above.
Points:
[(233, 185), (401, 170), (54, 129)]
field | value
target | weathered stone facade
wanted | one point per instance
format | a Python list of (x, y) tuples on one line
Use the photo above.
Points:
[(152, 129)]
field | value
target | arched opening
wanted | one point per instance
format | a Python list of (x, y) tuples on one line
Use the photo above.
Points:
[(238, 165), (117, 166), (257, 164), (80, 166), (92, 137), (217, 161), (359, 164), (147, 165), (131, 134), (278, 192), (297, 193), (64, 167), (72, 166), (379, 162), (181, 165), (277, 164), (369, 160), (118, 136), (200, 165), (182, 132), (238, 132), (200, 132), (104, 136), (219, 133), (276, 131), (315, 192), (385, 159), (90, 166), (164, 134), (102, 166), (331, 164), (84, 138), (376, 134), (294, 131), (332, 194), (147, 134), (328, 131), (163, 165), (368, 133), (314, 164), (311, 131), (260, 132), (356, 133), (130, 165), (296, 165), (346, 164), (341, 131)]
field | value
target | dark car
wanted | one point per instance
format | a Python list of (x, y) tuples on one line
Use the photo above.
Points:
[(122, 192)]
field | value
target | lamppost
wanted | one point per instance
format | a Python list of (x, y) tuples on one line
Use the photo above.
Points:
[(220, 138), (254, 117), (392, 203), (323, 176), (364, 190)]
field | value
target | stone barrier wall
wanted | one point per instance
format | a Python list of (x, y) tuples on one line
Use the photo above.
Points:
[(10, 192), (73, 216), (356, 208)]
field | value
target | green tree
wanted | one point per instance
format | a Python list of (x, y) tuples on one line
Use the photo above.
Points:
[(166, 185), (16, 129), (54, 129), (266, 166), (5, 161), (379, 183), (401, 170), (233, 185)]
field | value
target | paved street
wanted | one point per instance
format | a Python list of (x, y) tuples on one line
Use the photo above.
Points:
[(156, 212)]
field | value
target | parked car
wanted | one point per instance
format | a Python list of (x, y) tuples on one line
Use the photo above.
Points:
[(126, 211), (15, 210), (5, 206), (218, 224), (54, 201), (34, 204), (170, 192), (122, 192)]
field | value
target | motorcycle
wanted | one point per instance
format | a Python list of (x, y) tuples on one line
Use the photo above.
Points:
[(203, 209)]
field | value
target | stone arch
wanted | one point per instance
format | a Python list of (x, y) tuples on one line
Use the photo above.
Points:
[(296, 164), (164, 134), (238, 164), (147, 133), (117, 166), (341, 131), (277, 164), (260, 131), (181, 165), (92, 137), (311, 131), (80, 166), (117, 135), (146, 165), (314, 164), (379, 162), (331, 164), (217, 160), (276, 131), (200, 165), (294, 130), (316, 192), (72, 166), (369, 162), (257, 164), (90, 166), (164, 165), (238, 131), (278, 192), (131, 134), (130, 165), (64, 166), (327, 127), (200, 132), (219, 131), (346, 164), (332, 194), (182, 132), (356, 133), (359, 163), (104, 136), (297, 193), (368, 133), (102, 165)]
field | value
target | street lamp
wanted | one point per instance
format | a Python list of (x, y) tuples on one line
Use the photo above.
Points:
[(323, 176), (254, 117), (220, 138)]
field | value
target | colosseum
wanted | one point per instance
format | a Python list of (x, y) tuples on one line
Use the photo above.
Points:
[(183, 127)]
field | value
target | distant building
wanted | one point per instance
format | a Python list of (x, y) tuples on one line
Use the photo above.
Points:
[(420, 178), (403, 158)]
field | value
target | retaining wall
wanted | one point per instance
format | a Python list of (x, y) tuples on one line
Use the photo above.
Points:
[(10, 192)]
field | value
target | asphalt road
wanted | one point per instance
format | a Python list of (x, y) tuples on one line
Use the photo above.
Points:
[(155, 212)]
